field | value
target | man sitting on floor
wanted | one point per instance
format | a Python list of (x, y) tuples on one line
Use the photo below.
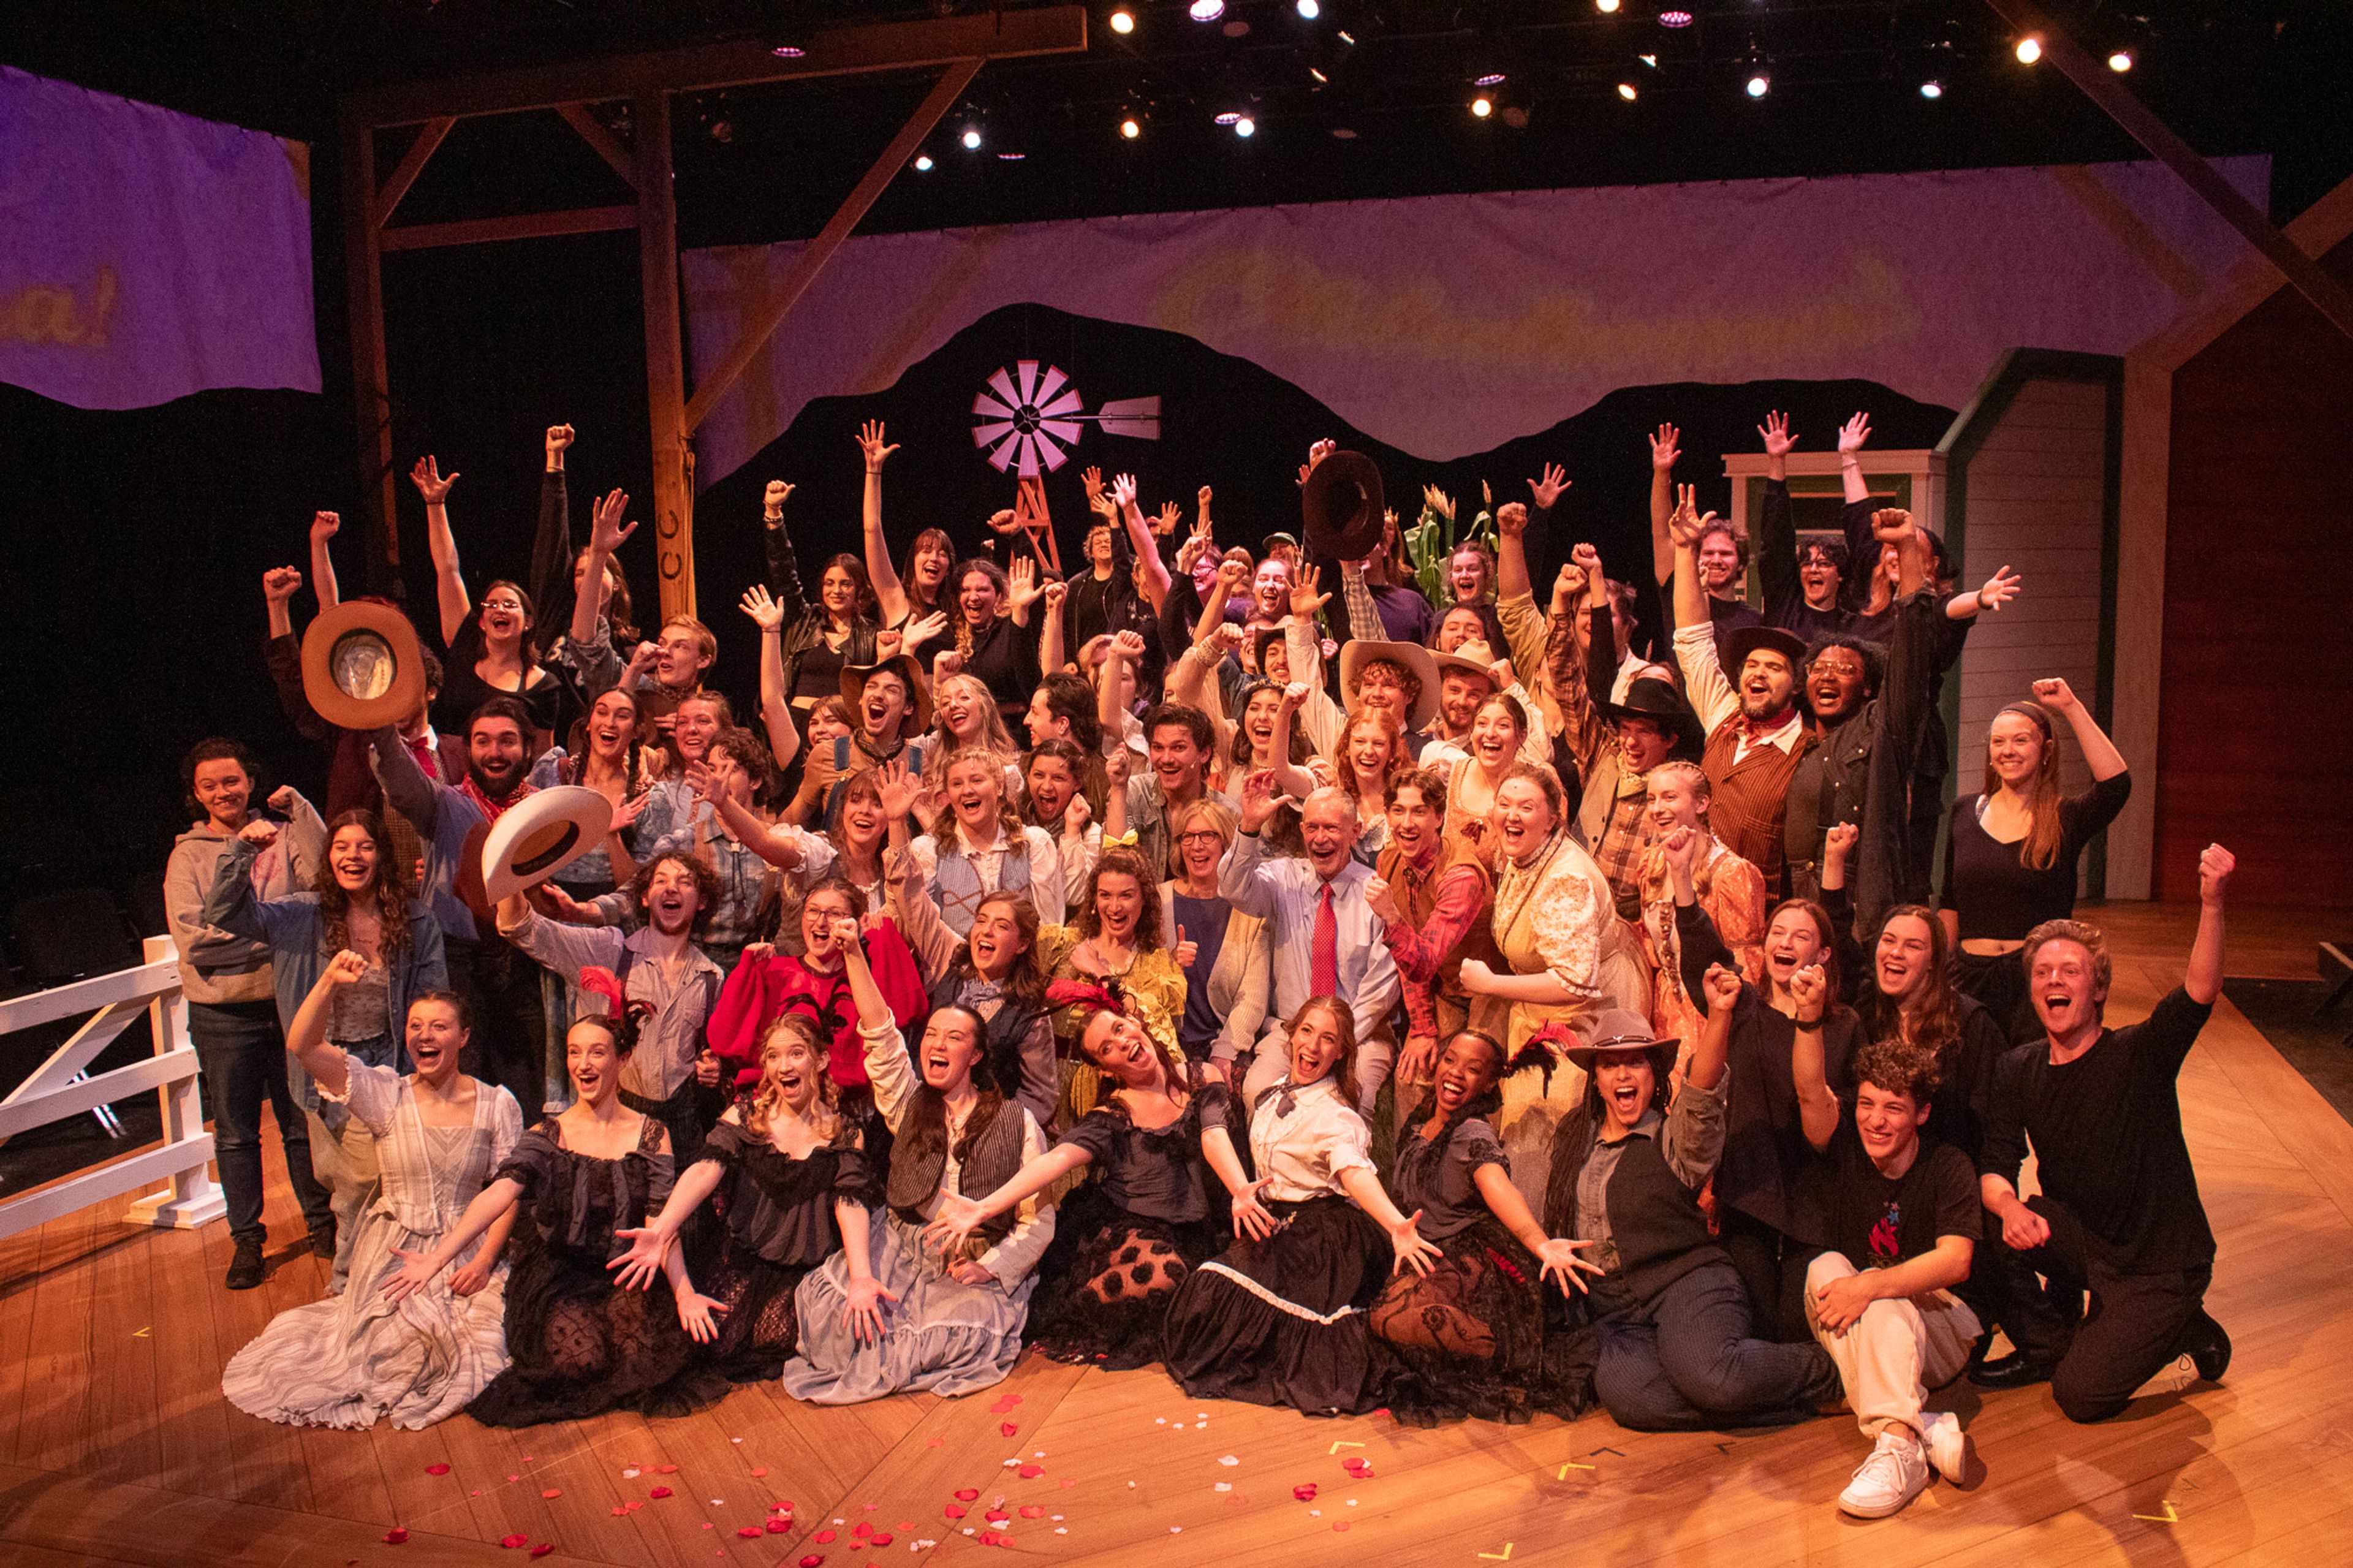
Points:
[(2119, 1213)]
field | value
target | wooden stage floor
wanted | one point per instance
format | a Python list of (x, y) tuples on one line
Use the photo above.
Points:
[(116, 1447)]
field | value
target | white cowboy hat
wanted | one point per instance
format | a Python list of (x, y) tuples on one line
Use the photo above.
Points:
[(540, 834)]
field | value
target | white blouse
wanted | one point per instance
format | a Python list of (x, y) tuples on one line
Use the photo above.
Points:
[(1302, 1154)]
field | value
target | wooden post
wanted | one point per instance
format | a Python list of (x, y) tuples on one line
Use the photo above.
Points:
[(371, 402), (665, 361)]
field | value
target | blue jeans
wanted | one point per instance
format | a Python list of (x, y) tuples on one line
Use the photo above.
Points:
[(242, 1056), (1683, 1359)]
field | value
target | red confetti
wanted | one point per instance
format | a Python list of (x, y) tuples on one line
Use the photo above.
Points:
[(997, 1516), (967, 1494), (781, 1526), (1305, 1492), (883, 1540), (1004, 1403), (750, 1531), (1031, 1472), (812, 1560), (659, 1491), (823, 1538), (1031, 1510), (1068, 1482), (1007, 1429), (552, 1492), (756, 1474), (436, 1469), (955, 1511), (670, 1469), (511, 1541), (1004, 1540), (542, 1549), (394, 1536), (988, 1538), (621, 1510), (1341, 1525), (861, 1531)]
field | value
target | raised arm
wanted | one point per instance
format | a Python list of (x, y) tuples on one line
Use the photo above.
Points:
[(607, 534), (1685, 528), (888, 591), (1512, 551), (1139, 539), (2204, 980), (448, 584), (1818, 1106), (1664, 453), (323, 526), (1051, 641), (1777, 526), (308, 1037), (1706, 1068), (775, 704), (2100, 753), (278, 586)]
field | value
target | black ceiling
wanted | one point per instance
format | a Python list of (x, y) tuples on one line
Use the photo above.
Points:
[(1390, 115)]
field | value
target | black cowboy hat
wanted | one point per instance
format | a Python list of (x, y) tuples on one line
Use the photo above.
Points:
[(1749, 639), (1343, 508), (1648, 697)]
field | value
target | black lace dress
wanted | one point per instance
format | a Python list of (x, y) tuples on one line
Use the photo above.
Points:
[(1470, 1338), (1126, 1237), (578, 1346), (778, 1224)]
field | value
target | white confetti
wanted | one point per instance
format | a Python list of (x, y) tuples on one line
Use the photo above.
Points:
[(629, 1475), (1175, 1530), (967, 1530), (1315, 1513), (1059, 1530), (1223, 1487), (1011, 1463), (1037, 1454), (1131, 1486), (1352, 1502), (1229, 1461), (1058, 1516), (734, 1439), (1160, 1421)]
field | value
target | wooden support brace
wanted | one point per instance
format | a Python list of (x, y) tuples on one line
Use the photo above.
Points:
[(813, 258), (2102, 85), (412, 163), (371, 401), (607, 146), (665, 356), (523, 226)]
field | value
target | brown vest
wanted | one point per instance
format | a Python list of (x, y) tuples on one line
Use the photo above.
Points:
[(1419, 901), (995, 1156), (1745, 810)]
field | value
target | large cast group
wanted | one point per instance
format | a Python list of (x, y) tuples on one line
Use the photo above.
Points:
[(1330, 975)]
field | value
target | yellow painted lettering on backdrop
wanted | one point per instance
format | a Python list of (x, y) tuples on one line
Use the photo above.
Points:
[(50, 313)]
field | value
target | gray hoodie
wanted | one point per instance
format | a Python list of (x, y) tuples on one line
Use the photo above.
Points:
[(215, 966)]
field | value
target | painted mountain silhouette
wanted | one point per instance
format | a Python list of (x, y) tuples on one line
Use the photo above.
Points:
[(1235, 426)]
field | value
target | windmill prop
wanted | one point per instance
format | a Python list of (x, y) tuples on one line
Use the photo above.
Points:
[(1029, 515), (1026, 422)]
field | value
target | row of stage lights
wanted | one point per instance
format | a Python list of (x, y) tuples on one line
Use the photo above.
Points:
[(1482, 105)]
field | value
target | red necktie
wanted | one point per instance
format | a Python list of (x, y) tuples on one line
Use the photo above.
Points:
[(1323, 950)]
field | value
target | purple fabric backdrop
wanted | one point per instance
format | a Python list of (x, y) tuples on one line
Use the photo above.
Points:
[(146, 254), (1445, 325)]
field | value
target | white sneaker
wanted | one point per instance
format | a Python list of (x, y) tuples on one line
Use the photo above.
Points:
[(1947, 1444), (1896, 1472)]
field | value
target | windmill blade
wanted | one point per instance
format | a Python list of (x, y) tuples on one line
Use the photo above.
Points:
[(1059, 429), (1051, 450), (1004, 451), (1004, 386), (983, 403), (984, 435), (1052, 381), (1029, 449), (1025, 373), (1133, 417), (1062, 406)]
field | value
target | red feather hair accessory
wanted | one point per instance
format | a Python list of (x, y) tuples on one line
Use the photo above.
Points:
[(1085, 994)]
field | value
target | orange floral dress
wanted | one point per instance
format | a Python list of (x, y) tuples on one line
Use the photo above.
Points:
[(1732, 891)]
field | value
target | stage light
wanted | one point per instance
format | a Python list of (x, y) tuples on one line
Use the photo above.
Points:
[(788, 51), (1308, 10), (1932, 89), (1649, 60), (1625, 90), (2121, 61), (1674, 17), (1607, 8), (2030, 49), (1482, 106), (1759, 83), (1245, 127), (1130, 128), (1317, 72), (972, 138), (1011, 157), (922, 163), (1123, 21), (1229, 117), (1346, 37), (1206, 10)]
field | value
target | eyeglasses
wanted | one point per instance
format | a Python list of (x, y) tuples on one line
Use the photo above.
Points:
[(1197, 835)]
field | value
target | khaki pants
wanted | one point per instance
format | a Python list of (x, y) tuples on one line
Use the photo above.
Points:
[(1891, 1355), (344, 1160)]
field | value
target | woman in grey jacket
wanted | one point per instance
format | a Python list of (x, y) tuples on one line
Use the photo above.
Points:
[(226, 979), (359, 900)]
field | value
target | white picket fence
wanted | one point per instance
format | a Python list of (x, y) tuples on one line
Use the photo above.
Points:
[(57, 1089)]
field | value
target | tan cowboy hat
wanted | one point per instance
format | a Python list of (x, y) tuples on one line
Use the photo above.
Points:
[(540, 834), (919, 689), (362, 668), (1357, 652), (1621, 1031), (1342, 507), (1480, 666)]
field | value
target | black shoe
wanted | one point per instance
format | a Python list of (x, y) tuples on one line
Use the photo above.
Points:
[(323, 1238), (2015, 1370), (2208, 1347), (246, 1269)]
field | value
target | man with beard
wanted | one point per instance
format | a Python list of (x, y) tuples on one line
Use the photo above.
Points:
[(1436, 902), (1327, 939), (672, 1076), (2119, 1213), (1756, 730), (500, 985)]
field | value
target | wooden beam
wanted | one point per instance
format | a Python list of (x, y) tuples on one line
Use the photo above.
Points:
[(657, 220), (835, 51), (2106, 89), (523, 225), (371, 400), (412, 163), (812, 259), (607, 146)]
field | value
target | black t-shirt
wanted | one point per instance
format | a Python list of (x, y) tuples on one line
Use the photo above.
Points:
[(1878, 1222), (2107, 1137)]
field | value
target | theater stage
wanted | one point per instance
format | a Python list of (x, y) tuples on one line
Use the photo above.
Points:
[(116, 1447)]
